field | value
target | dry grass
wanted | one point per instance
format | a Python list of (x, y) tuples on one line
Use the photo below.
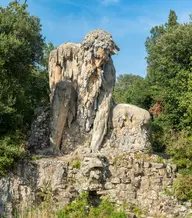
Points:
[(43, 211)]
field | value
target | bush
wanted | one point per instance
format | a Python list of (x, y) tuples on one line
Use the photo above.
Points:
[(183, 187), (11, 151), (81, 208), (179, 147)]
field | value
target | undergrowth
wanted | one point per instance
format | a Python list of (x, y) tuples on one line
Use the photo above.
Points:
[(11, 152), (182, 187), (81, 207)]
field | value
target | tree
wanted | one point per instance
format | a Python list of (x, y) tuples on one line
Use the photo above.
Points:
[(169, 59), (21, 55), (124, 82), (23, 79), (169, 69), (155, 35), (132, 89), (172, 20)]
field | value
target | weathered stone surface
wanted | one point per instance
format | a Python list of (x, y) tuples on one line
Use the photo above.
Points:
[(90, 69), (63, 111), (82, 79), (40, 131), (131, 128), (65, 182)]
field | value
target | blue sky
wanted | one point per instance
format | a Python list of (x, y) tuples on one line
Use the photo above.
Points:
[(129, 21)]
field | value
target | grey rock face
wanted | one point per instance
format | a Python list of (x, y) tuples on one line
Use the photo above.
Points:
[(142, 183), (63, 111), (82, 79), (130, 129), (40, 130), (83, 120), (89, 69)]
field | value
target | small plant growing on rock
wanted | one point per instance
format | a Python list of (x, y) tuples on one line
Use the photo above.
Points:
[(44, 194), (76, 164), (35, 157), (11, 152), (159, 159)]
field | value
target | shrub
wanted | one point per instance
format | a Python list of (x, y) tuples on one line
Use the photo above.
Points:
[(106, 209), (179, 147), (82, 208), (11, 151), (75, 209), (183, 187)]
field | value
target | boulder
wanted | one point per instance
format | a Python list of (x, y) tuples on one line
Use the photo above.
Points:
[(131, 129)]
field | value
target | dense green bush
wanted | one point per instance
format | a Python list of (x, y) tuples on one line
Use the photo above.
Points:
[(11, 151), (183, 187), (179, 147), (81, 208)]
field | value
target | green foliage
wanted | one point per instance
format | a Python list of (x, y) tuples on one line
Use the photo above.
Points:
[(172, 20), (35, 157), (122, 85), (160, 160), (23, 77), (158, 141), (169, 63), (106, 209), (169, 50), (185, 171), (76, 208), (81, 208), (23, 84), (179, 146), (136, 210), (76, 164), (183, 187), (132, 89), (44, 194), (11, 151)]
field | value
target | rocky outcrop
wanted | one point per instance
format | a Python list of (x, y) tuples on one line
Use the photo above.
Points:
[(135, 179), (40, 130), (63, 111), (130, 128), (95, 145), (89, 68)]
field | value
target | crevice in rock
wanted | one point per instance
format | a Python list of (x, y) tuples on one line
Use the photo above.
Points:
[(94, 198)]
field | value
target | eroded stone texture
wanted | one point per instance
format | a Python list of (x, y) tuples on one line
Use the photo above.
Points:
[(90, 69), (40, 130), (63, 111), (82, 79), (126, 178), (130, 129)]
